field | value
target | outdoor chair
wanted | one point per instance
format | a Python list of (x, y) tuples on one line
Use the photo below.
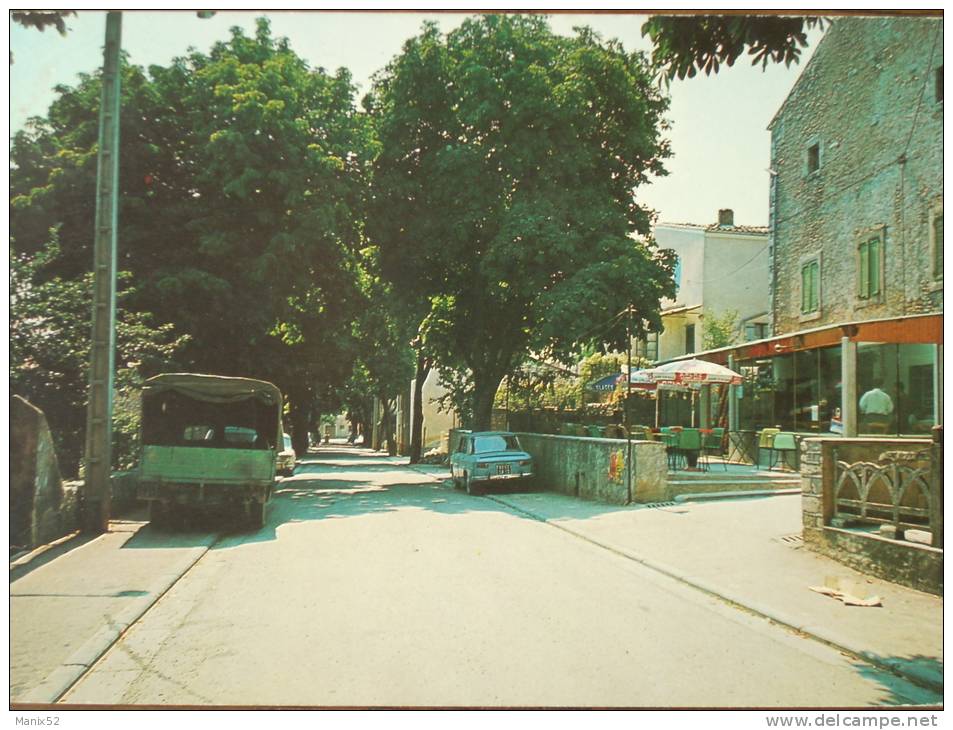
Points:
[(784, 443), (766, 443), (714, 443), (669, 437), (690, 443)]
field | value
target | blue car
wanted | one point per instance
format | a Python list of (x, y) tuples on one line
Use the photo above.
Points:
[(483, 458)]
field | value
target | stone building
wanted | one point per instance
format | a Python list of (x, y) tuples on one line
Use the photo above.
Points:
[(856, 241), (857, 177)]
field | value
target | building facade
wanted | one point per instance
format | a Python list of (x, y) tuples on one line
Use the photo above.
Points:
[(856, 242), (857, 178), (722, 268)]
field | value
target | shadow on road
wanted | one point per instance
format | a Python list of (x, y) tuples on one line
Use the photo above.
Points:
[(896, 691)]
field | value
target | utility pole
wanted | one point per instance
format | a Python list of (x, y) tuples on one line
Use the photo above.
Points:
[(102, 359), (628, 394)]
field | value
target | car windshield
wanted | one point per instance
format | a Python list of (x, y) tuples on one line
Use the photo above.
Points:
[(496, 442)]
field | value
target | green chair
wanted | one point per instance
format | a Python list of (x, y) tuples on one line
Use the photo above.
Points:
[(784, 443), (690, 444), (714, 443), (766, 443)]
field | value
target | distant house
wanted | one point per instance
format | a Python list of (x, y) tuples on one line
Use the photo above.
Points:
[(722, 268), (856, 242)]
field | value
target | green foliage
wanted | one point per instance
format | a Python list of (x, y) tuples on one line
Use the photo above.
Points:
[(243, 182), (720, 331), (503, 195), (49, 353), (686, 44)]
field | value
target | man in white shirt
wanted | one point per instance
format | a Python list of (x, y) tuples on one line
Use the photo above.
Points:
[(875, 409)]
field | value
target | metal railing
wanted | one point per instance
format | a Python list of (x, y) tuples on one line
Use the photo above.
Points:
[(902, 490)]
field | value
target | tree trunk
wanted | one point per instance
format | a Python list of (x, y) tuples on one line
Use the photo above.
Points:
[(300, 419), (484, 392), (417, 416), (387, 431)]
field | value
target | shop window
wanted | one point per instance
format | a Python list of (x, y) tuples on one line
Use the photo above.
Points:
[(811, 286), (869, 267)]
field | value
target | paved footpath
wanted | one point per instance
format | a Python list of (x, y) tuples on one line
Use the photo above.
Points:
[(66, 613)]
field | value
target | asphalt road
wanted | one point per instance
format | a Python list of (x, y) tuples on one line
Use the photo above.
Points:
[(375, 585)]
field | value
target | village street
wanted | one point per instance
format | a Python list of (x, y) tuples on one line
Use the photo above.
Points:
[(374, 584)]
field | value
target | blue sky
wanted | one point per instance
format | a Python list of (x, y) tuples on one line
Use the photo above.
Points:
[(719, 136)]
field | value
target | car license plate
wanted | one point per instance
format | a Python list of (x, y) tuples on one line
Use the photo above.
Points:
[(504, 469)]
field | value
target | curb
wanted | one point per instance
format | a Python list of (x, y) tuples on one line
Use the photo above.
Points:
[(62, 679), (710, 496), (931, 680), (26, 563)]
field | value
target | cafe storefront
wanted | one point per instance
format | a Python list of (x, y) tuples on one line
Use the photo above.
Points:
[(812, 382)]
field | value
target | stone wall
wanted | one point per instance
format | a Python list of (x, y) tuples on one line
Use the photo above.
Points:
[(910, 564), (868, 100), (594, 468), (39, 512)]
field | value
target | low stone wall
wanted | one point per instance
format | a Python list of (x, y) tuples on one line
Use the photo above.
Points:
[(910, 564), (594, 468)]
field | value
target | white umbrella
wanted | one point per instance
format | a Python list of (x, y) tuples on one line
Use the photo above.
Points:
[(693, 371)]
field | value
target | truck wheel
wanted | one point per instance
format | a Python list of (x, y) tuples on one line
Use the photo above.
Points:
[(256, 515), (159, 514)]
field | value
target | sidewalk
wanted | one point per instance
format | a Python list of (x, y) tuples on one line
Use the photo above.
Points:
[(65, 613), (733, 548)]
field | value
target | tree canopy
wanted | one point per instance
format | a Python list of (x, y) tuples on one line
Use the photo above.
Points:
[(243, 184), (503, 194), (687, 44)]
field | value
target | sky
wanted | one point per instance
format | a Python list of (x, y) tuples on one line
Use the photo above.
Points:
[(719, 123)]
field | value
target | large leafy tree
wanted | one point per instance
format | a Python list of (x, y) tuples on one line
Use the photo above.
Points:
[(503, 194), (242, 194)]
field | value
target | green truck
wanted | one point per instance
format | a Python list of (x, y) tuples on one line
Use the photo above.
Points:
[(208, 441)]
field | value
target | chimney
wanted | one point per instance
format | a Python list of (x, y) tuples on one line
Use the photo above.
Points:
[(726, 217)]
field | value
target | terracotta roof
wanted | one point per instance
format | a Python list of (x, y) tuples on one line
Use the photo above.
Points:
[(715, 228)]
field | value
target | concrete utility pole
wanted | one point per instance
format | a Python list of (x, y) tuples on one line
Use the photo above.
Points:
[(102, 358), (628, 395)]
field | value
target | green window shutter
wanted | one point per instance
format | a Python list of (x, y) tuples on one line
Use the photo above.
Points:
[(874, 256), (815, 285), (804, 292), (864, 284), (938, 246)]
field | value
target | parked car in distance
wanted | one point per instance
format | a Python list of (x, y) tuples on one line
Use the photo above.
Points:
[(483, 458), (286, 457)]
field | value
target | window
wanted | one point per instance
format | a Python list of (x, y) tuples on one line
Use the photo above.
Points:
[(936, 232), (939, 84), (810, 286), (689, 338), (756, 331), (677, 274), (814, 157), (869, 252)]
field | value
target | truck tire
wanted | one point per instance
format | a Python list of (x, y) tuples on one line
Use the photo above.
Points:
[(159, 515), (256, 514)]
